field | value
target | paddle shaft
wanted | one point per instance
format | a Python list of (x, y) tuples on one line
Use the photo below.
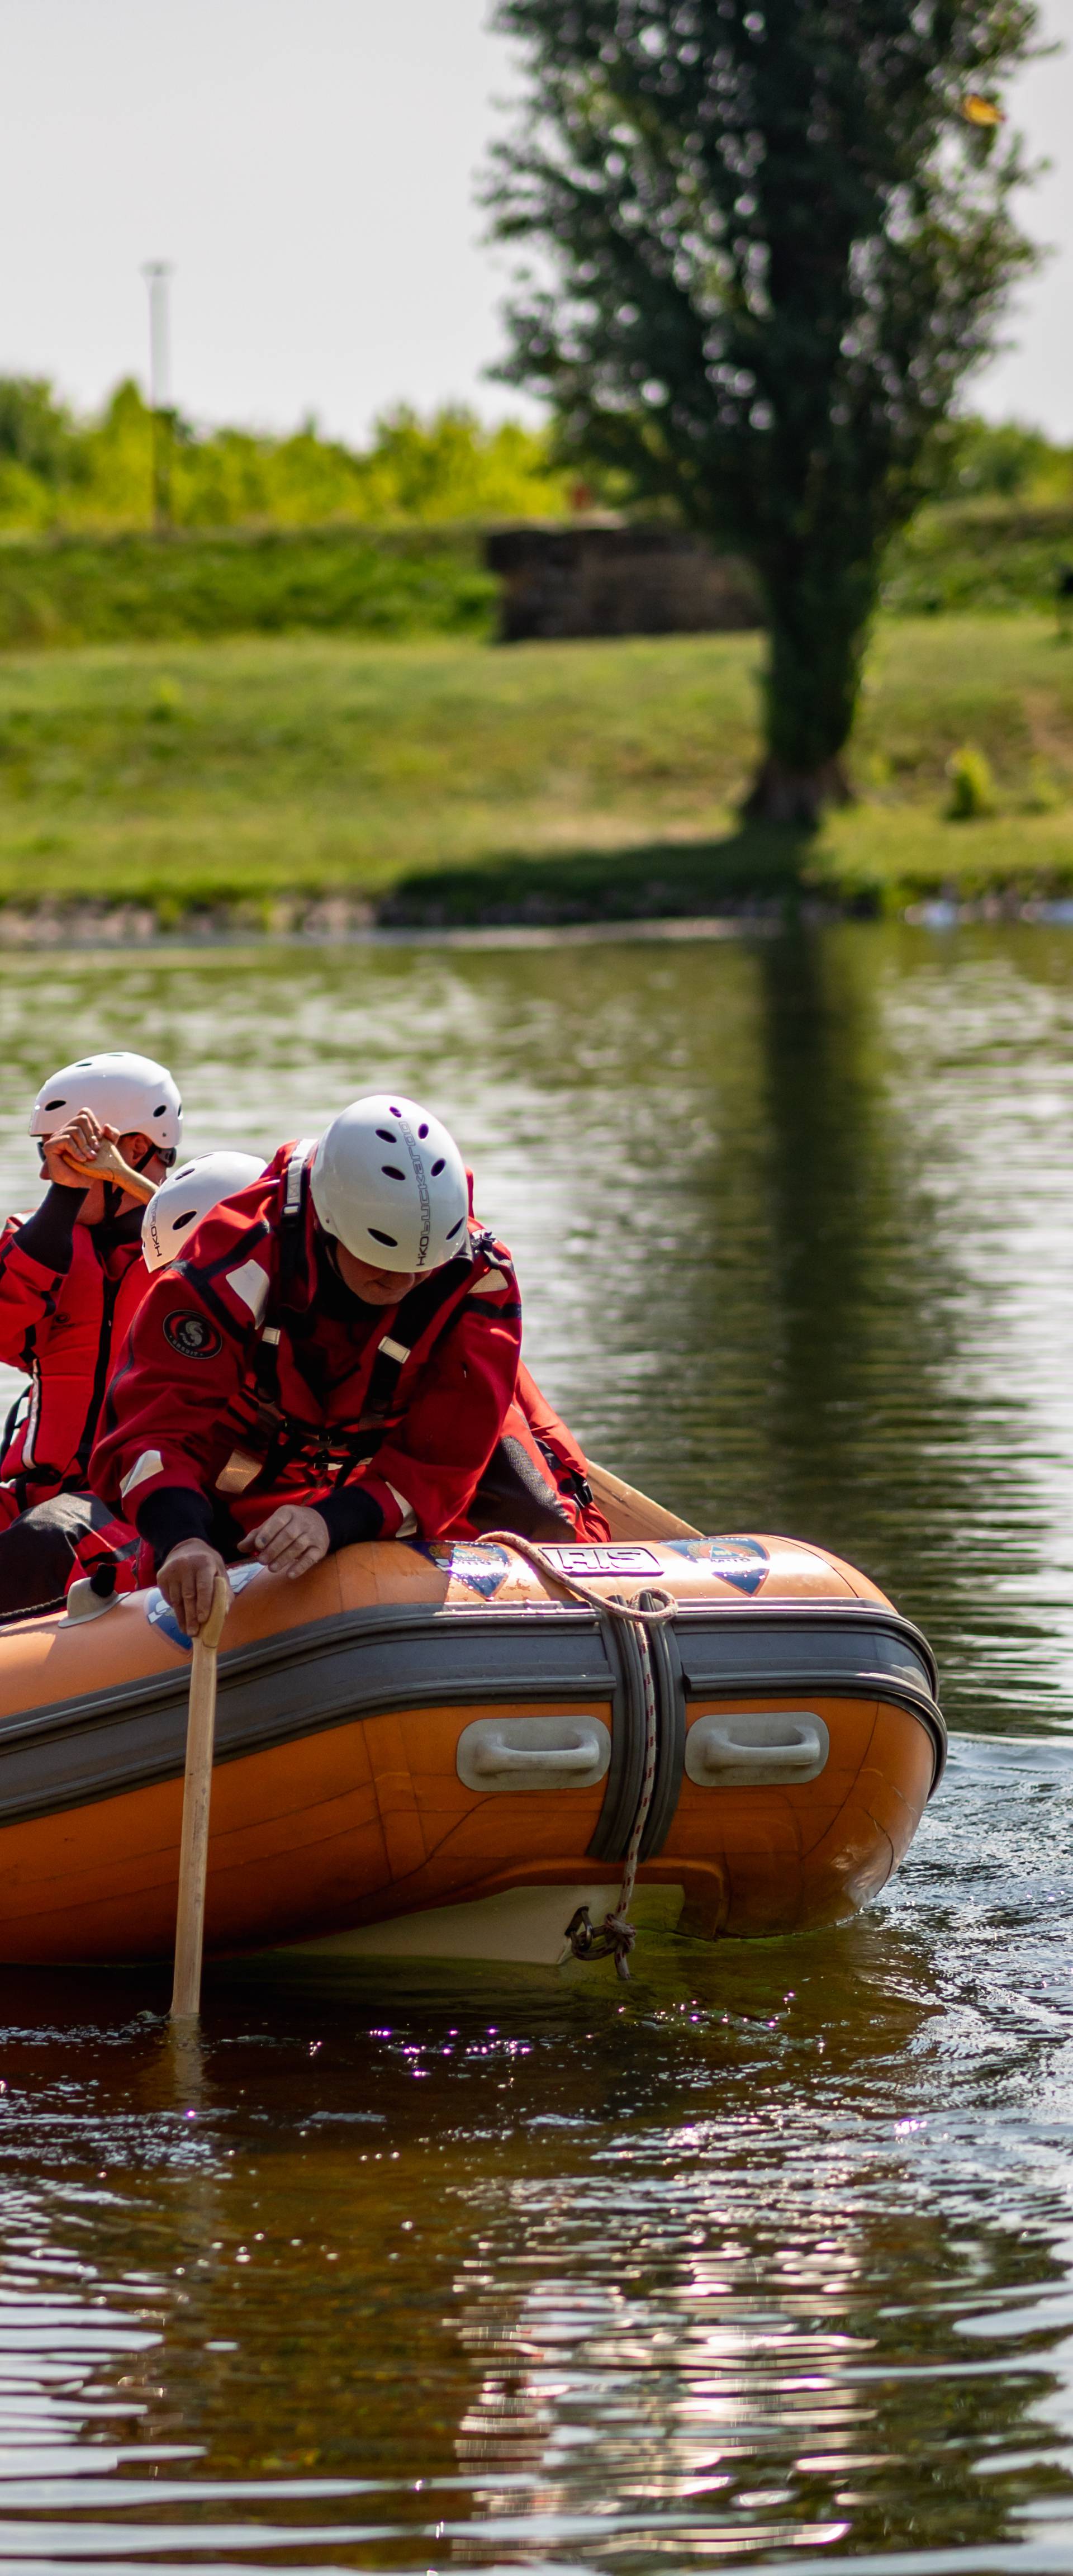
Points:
[(631, 1514), (197, 1794)]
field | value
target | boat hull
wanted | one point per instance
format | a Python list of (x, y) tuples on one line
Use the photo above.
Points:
[(349, 1817)]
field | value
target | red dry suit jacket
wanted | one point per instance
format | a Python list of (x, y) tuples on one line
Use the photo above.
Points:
[(382, 1418), (537, 1482), (68, 1296)]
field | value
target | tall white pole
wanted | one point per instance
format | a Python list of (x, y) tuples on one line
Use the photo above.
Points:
[(157, 274)]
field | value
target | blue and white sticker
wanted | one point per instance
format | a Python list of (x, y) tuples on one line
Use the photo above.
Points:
[(481, 1569), (740, 1561), (160, 1614), (239, 1576)]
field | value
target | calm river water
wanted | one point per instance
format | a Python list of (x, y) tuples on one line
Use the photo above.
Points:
[(772, 2253)]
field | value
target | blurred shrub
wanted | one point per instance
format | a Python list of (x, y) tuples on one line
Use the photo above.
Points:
[(979, 555), (972, 784), (983, 460)]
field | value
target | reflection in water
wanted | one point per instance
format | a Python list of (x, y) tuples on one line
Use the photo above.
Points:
[(770, 2253), (773, 2252)]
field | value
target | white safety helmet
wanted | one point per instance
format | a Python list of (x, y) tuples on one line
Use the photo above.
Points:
[(127, 1092), (389, 1182), (186, 1196)]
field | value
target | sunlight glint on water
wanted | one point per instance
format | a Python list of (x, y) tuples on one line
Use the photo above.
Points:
[(772, 2253)]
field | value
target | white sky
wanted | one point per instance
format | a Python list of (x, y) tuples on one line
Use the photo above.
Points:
[(308, 165)]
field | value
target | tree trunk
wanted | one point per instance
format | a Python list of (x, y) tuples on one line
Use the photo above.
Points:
[(819, 613), (784, 794)]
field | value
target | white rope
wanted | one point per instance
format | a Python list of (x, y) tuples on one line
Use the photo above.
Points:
[(616, 1934)]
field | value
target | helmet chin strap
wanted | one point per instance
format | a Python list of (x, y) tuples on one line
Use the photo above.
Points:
[(114, 1193)]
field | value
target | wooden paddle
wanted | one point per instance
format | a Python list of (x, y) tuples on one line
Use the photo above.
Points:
[(108, 1165), (197, 1792), (630, 1514)]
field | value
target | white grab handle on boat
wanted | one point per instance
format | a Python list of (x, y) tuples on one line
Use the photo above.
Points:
[(84, 1603), (533, 1752), (756, 1749)]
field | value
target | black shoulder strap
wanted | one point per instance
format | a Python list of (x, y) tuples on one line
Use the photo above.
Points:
[(417, 1311), (291, 1247), (292, 1216)]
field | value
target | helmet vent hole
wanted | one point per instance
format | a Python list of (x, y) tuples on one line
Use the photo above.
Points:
[(187, 1218), (391, 1172), (423, 1130), (162, 1111), (437, 1168), (390, 1239), (396, 1113), (55, 1104), (452, 1230), (386, 1137)]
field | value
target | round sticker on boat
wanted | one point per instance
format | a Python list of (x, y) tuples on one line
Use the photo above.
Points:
[(192, 1335)]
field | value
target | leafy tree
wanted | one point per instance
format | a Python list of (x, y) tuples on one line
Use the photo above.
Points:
[(452, 467), (57, 472), (779, 236), (1002, 461), (35, 429)]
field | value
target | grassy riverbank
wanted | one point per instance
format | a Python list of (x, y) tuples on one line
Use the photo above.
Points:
[(70, 590), (427, 577), (442, 778)]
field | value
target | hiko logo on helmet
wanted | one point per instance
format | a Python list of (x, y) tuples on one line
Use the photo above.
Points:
[(417, 1164), (412, 1202)]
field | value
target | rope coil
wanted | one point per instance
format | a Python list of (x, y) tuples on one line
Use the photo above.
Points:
[(649, 1608)]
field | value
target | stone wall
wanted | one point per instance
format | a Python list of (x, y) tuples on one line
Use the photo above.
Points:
[(615, 580)]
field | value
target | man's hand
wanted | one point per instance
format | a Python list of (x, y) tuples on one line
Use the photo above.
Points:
[(187, 1579), (291, 1541), (77, 1142)]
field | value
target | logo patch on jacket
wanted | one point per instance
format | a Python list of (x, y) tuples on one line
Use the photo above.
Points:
[(192, 1336)]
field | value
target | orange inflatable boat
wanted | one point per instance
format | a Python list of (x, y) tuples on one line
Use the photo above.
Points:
[(426, 1751)]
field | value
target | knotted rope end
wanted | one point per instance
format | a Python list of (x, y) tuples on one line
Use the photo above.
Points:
[(616, 1935)]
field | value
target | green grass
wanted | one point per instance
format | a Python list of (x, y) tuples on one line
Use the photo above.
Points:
[(271, 581), (979, 556), (445, 780), (351, 579)]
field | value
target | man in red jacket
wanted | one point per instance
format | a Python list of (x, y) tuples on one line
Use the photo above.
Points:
[(333, 1360), (71, 1277)]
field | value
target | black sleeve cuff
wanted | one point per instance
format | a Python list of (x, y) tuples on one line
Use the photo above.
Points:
[(351, 1514), (48, 1235), (172, 1513)]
